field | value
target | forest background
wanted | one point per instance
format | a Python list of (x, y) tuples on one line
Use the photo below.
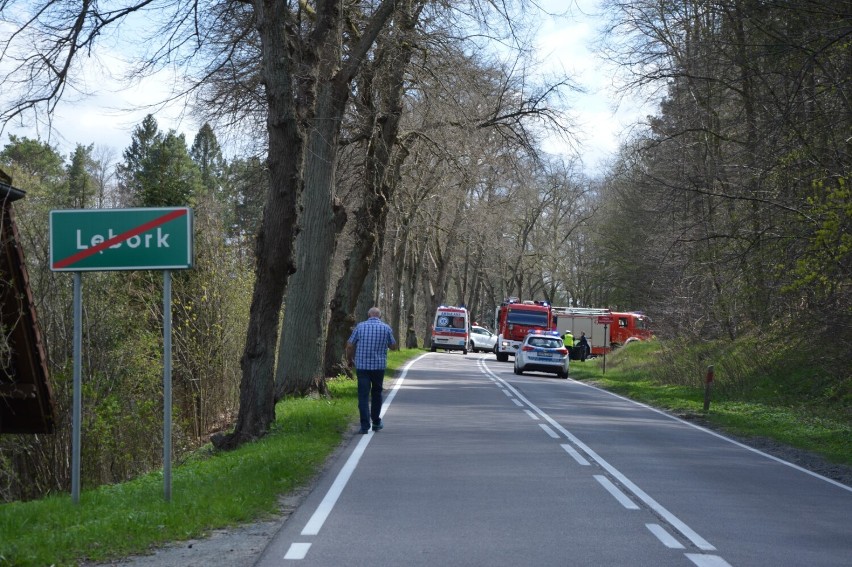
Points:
[(392, 153)]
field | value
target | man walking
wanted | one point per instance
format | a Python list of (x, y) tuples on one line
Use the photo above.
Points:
[(367, 349)]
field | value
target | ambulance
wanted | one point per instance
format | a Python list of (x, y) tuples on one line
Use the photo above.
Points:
[(451, 329)]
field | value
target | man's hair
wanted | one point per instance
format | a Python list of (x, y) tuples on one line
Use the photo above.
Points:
[(374, 312)]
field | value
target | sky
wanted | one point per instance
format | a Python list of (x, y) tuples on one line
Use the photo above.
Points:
[(600, 117), (564, 43)]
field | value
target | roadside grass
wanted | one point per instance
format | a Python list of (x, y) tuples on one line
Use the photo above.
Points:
[(759, 390), (210, 490)]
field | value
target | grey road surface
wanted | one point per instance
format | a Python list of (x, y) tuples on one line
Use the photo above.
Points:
[(477, 466)]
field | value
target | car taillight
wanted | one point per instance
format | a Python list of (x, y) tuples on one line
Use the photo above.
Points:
[(562, 351), (527, 348)]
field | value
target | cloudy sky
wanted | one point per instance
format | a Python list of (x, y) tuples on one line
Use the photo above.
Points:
[(564, 43)]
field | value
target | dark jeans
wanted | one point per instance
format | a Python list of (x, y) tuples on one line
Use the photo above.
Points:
[(370, 395)]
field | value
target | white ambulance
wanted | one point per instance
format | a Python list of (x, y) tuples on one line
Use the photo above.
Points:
[(451, 329)]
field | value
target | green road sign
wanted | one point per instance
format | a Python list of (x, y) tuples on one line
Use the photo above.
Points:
[(120, 239)]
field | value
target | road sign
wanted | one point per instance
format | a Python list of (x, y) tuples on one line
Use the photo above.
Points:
[(120, 239), (604, 320)]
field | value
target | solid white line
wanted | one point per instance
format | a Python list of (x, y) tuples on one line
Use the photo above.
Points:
[(619, 495), (517, 402), (720, 436), (665, 537), (531, 414), (549, 431), (297, 551), (673, 520), (577, 456), (707, 560), (324, 509)]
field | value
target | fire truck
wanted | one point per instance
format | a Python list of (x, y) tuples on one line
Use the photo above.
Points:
[(515, 318), (604, 329)]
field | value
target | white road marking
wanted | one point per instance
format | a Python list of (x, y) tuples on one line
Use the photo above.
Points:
[(549, 431), (707, 560), (517, 402), (531, 414), (720, 436), (673, 520), (297, 551), (665, 537), (325, 507), (573, 452), (622, 498)]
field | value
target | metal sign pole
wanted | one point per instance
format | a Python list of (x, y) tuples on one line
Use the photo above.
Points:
[(77, 404), (167, 385)]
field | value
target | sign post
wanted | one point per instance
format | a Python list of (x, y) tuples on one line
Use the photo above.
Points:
[(606, 321), (121, 239)]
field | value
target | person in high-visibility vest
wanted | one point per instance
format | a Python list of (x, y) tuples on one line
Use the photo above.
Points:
[(568, 340)]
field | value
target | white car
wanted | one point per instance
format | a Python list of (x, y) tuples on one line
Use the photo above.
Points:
[(481, 339), (542, 351)]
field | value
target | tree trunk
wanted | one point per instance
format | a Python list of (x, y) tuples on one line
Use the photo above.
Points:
[(410, 298), (381, 179), (371, 219), (302, 343), (305, 319), (398, 259), (277, 233)]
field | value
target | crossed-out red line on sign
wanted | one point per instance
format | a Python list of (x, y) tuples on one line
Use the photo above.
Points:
[(83, 254)]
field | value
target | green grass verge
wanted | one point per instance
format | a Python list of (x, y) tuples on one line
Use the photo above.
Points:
[(209, 491), (789, 402)]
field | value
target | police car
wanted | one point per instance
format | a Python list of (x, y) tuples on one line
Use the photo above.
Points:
[(542, 351)]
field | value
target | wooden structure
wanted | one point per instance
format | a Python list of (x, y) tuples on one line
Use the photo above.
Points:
[(26, 399)]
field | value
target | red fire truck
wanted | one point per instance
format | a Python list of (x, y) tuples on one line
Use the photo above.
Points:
[(515, 318), (604, 329)]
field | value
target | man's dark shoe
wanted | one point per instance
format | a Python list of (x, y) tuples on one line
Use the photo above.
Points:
[(378, 426), (364, 430)]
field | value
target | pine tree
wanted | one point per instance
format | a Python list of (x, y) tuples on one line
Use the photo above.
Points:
[(81, 186)]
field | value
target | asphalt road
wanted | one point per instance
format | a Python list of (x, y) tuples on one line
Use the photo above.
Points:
[(477, 466)]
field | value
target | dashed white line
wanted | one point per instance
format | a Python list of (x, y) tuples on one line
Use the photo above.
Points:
[(297, 551), (622, 498), (531, 414), (517, 402), (665, 537), (707, 560), (573, 452), (661, 511), (549, 431)]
